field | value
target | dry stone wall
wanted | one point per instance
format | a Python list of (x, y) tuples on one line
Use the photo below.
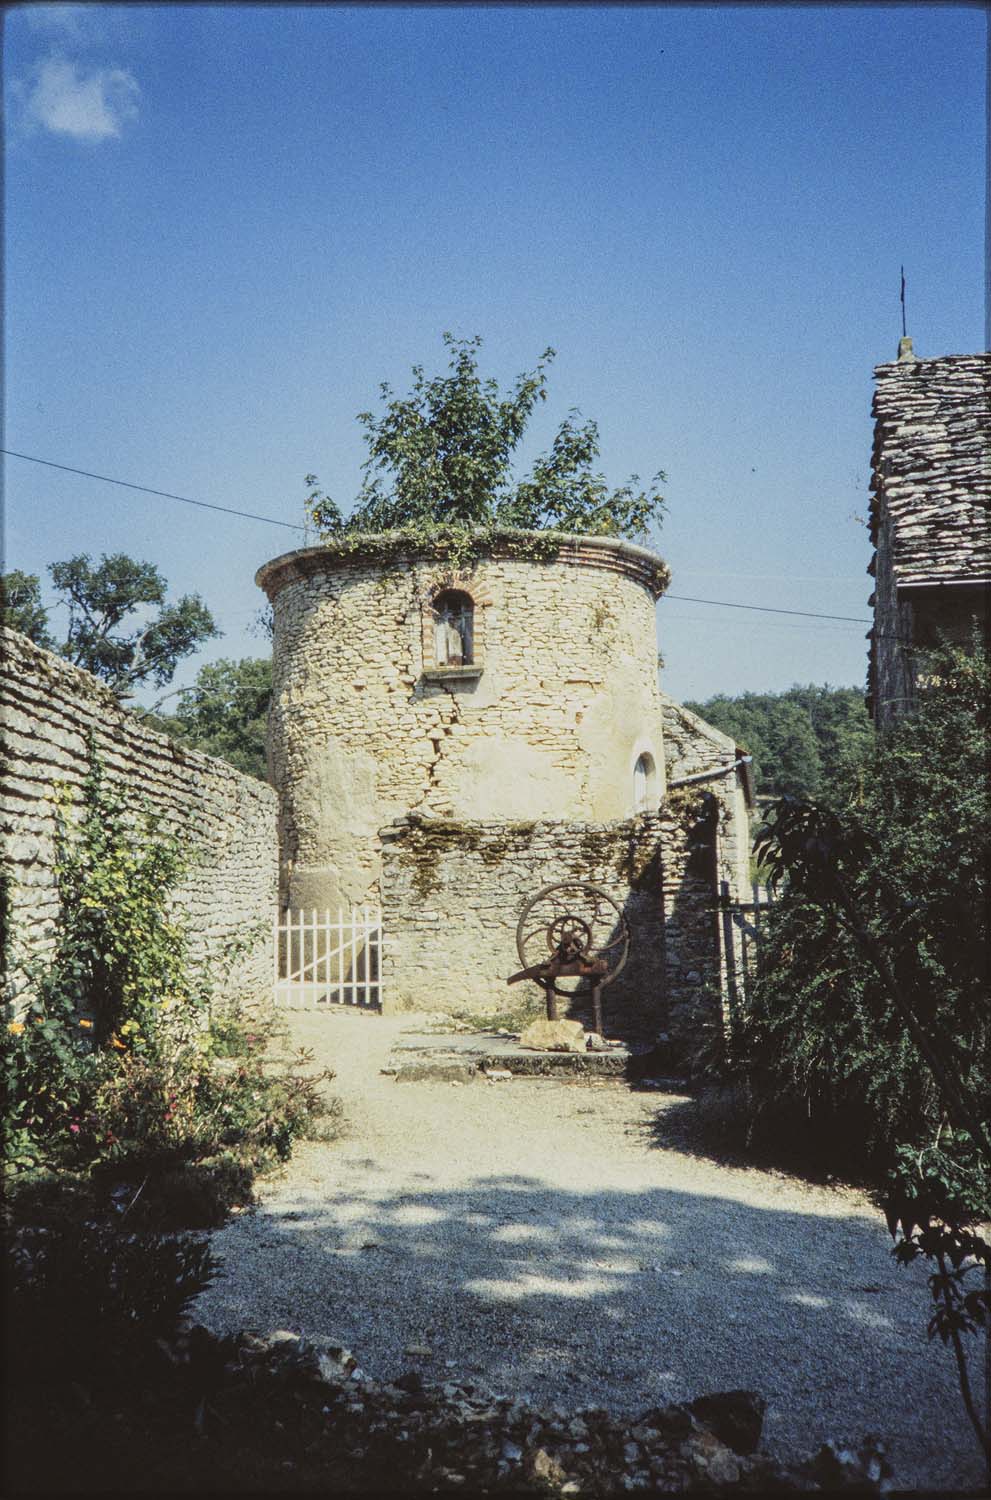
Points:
[(550, 725), (709, 843), (225, 820), (453, 893), (930, 471), (930, 501)]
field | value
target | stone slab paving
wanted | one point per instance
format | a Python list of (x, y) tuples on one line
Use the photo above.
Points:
[(560, 1239)]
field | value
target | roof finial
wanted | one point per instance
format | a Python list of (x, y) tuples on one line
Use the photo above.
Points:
[(905, 354)]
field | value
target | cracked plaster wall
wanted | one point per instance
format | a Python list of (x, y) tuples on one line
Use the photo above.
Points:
[(566, 700)]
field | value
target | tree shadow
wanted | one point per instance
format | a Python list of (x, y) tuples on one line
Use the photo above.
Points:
[(626, 1298), (708, 1123)]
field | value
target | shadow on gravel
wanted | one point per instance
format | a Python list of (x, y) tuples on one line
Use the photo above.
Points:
[(622, 1298), (708, 1125)]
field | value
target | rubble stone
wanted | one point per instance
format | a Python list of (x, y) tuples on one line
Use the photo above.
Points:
[(542, 1035)]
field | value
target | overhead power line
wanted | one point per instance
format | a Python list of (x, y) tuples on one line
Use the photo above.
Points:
[(246, 515), (768, 609)]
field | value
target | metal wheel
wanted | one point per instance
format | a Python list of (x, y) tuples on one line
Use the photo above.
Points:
[(572, 927), (573, 909)]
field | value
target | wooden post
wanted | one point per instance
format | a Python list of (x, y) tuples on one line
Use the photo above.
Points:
[(732, 990), (597, 1007), (551, 1001)]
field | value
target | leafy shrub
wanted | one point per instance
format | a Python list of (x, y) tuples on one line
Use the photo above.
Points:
[(872, 1010), (93, 1298), (113, 1065), (887, 907)]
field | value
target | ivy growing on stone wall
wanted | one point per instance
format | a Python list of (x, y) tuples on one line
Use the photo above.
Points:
[(118, 966)]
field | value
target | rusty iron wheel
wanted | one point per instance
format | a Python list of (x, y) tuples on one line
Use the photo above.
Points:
[(574, 908)]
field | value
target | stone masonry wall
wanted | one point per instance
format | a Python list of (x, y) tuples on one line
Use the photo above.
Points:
[(692, 746), (223, 818), (454, 891), (696, 865), (930, 497), (692, 957), (551, 726)]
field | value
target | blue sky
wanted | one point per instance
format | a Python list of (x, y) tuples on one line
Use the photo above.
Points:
[(227, 225)]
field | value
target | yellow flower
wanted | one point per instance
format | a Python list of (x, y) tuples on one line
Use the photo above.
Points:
[(115, 1041), (16, 1027), (87, 1024)]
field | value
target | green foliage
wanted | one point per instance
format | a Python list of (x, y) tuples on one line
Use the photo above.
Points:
[(21, 607), (197, 1098), (871, 1015), (120, 954), (102, 636), (442, 458), (886, 905), (92, 1299), (119, 965), (225, 713), (113, 1063), (802, 740)]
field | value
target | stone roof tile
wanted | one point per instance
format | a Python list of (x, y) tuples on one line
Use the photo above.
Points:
[(931, 467)]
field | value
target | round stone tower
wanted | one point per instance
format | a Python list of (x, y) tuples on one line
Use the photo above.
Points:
[(520, 685)]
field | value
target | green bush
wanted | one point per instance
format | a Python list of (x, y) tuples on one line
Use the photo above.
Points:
[(871, 1014), (114, 1065), (902, 874), (93, 1298)]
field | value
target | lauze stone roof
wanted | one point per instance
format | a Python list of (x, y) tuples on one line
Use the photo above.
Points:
[(931, 467)]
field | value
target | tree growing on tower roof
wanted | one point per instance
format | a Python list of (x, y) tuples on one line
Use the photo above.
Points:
[(442, 457)]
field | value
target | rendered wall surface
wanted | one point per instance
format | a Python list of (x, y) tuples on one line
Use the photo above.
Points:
[(226, 819), (360, 732)]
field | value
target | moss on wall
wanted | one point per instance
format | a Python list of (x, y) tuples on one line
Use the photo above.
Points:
[(422, 843)]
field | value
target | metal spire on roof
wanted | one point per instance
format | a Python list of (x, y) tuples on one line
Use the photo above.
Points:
[(905, 354)]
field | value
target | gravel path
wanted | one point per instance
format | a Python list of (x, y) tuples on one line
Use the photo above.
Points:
[(539, 1235)]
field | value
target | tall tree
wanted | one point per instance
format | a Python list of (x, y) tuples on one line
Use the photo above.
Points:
[(21, 607), (110, 632), (443, 456), (802, 740), (225, 713)]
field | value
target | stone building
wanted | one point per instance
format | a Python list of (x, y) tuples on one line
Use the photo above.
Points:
[(929, 518), (447, 738)]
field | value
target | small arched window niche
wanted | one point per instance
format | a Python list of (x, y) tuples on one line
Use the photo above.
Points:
[(645, 798), (454, 629), (451, 635)]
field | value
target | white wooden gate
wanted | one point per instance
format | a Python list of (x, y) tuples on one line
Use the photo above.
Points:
[(321, 959)]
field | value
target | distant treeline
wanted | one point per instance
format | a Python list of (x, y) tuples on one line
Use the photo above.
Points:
[(800, 739)]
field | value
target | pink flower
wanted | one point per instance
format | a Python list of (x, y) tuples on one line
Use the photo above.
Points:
[(74, 1129)]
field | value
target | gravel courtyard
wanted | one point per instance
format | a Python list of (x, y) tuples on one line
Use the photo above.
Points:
[(541, 1235)]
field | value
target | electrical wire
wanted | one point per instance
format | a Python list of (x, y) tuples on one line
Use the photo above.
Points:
[(246, 515), (767, 609), (290, 526)]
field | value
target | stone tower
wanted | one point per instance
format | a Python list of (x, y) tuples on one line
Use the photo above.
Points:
[(518, 685)]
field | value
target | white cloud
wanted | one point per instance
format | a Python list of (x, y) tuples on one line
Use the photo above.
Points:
[(88, 106)]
